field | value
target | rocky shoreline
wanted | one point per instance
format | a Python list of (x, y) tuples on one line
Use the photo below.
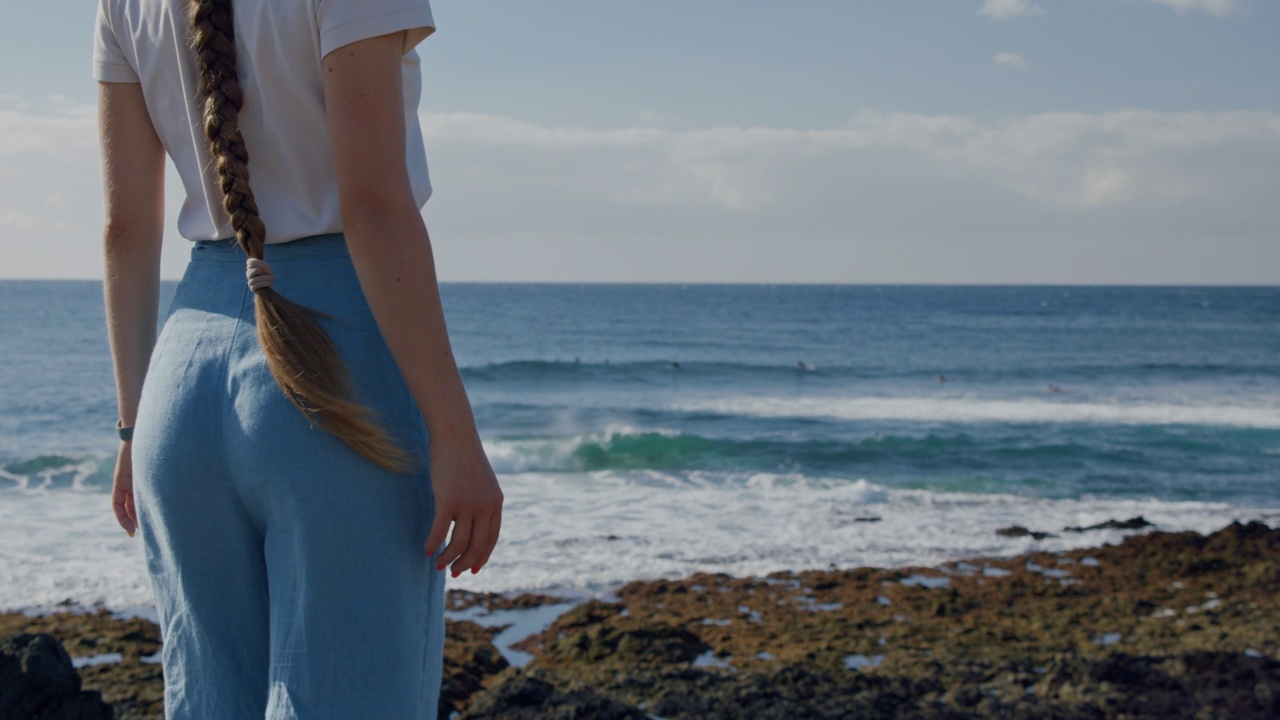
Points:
[(1162, 625)]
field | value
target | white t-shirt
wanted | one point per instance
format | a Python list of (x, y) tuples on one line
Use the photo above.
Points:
[(279, 46)]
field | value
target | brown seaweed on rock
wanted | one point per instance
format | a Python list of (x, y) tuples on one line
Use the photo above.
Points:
[(1163, 625)]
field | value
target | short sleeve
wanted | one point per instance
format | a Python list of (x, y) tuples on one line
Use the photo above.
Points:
[(109, 61), (343, 22)]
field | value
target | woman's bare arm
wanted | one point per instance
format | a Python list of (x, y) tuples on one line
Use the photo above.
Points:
[(392, 256), (133, 197)]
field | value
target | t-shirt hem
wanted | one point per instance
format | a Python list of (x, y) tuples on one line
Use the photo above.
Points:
[(415, 18), (114, 72)]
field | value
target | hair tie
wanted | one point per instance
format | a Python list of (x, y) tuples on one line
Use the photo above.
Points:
[(258, 272)]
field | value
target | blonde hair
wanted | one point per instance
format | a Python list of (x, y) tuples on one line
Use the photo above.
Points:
[(301, 356)]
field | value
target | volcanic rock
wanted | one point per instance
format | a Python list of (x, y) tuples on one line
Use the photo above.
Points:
[(38, 682), (1133, 523)]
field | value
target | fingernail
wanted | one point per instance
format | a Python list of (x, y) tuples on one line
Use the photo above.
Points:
[(456, 573), (475, 570), (439, 566)]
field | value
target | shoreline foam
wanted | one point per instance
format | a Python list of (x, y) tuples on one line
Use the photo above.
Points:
[(584, 535)]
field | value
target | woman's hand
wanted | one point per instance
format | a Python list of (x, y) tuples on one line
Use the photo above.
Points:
[(466, 494), (122, 490)]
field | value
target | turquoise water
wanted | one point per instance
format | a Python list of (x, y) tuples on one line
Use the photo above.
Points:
[(1059, 392), (645, 431)]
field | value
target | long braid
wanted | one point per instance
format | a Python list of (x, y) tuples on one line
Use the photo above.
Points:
[(301, 356)]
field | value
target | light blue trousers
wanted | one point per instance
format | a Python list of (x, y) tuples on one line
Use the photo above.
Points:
[(289, 573)]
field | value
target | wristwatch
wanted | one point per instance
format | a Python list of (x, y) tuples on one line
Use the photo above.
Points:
[(125, 433)]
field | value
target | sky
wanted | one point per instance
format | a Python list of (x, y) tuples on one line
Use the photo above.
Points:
[(820, 141)]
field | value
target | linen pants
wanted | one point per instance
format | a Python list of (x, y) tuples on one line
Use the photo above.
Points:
[(289, 573)]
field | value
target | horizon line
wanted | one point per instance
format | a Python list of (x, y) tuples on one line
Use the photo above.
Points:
[(796, 283)]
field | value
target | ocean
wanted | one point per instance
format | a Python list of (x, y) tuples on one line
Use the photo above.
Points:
[(644, 431)]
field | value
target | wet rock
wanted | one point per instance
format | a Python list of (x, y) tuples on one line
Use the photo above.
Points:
[(470, 659), (1186, 686), (1019, 531), (134, 688), (463, 599), (629, 642), (781, 692), (1161, 625), (1133, 523), (597, 632), (530, 696), (38, 682)]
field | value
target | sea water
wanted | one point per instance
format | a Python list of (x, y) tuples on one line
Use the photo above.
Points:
[(644, 431)]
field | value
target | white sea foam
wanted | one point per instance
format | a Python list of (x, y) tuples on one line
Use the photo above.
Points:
[(100, 659), (582, 535), (72, 474), (972, 410), (62, 548), (709, 659), (858, 662)]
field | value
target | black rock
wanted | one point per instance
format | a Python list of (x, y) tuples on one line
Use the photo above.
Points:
[(527, 696), (632, 642), (1133, 523), (38, 682), (788, 692), (1019, 531)]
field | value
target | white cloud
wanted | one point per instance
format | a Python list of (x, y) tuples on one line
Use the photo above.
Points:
[(1005, 9), (18, 220), (1213, 7), (1125, 196), (1161, 196), (51, 190), (1013, 60), (1008, 9)]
